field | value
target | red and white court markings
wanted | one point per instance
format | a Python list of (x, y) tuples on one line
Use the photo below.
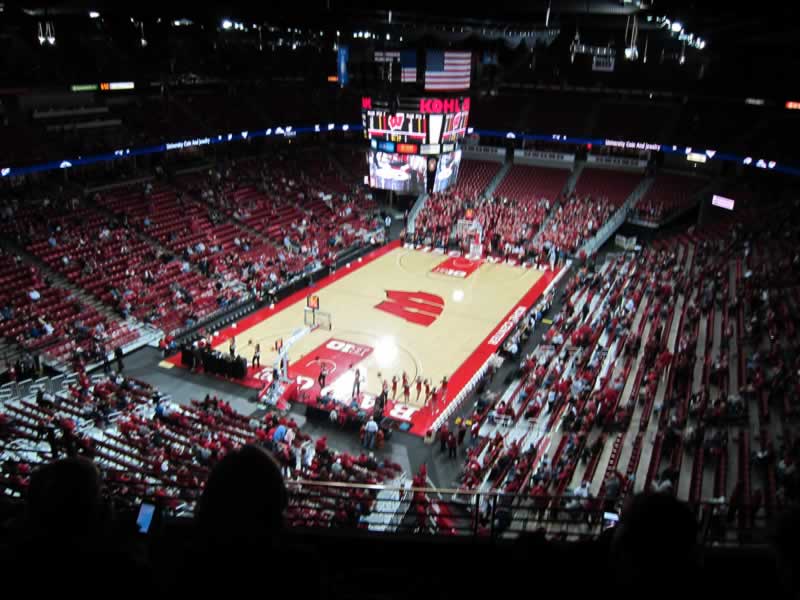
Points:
[(456, 266)]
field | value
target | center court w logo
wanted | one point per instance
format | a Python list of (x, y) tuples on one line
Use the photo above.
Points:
[(415, 307)]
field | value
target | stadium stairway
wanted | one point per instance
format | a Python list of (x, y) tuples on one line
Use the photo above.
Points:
[(618, 218), (419, 204), (498, 179), (148, 335), (569, 187), (159, 247)]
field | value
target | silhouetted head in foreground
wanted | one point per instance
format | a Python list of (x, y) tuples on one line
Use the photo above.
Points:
[(64, 500), (655, 531), (786, 545), (244, 498)]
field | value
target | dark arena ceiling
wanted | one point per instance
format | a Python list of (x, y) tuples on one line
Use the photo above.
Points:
[(748, 49)]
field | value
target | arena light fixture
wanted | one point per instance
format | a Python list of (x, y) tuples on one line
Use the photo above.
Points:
[(93, 14), (227, 24), (676, 27), (49, 33)]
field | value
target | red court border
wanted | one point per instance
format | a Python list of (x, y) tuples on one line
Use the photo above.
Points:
[(423, 418)]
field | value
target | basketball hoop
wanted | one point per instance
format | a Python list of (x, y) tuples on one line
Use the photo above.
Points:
[(470, 232)]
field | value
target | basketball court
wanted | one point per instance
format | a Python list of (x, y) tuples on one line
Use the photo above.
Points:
[(399, 310)]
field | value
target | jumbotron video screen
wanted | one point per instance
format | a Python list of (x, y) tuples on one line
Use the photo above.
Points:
[(414, 142)]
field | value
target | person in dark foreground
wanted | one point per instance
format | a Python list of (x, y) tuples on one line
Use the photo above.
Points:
[(786, 548), (239, 543), (66, 528), (656, 540)]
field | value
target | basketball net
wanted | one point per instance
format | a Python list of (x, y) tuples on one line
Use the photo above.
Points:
[(471, 232)]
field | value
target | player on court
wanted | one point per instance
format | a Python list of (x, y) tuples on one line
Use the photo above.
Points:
[(419, 387), (257, 356), (427, 391), (406, 392), (323, 376), (356, 383)]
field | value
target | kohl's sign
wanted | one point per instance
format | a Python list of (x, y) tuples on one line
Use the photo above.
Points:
[(443, 105)]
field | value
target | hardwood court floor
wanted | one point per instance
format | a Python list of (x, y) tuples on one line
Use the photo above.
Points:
[(473, 308)]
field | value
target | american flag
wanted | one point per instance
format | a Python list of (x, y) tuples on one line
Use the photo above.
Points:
[(408, 66), (447, 70), (407, 59)]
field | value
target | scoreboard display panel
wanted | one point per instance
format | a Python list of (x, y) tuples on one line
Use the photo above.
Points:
[(455, 127), (413, 142), (401, 173), (427, 122), (396, 127), (447, 170)]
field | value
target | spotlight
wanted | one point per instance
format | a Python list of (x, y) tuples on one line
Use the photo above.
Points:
[(676, 27), (386, 352), (227, 24), (94, 14)]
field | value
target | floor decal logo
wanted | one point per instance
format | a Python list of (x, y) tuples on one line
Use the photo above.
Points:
[(415, 307)]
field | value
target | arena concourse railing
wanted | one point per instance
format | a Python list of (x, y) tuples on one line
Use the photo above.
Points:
[(403, 509)]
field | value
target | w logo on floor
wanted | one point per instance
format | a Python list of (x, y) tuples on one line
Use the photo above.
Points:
[(415, 307)]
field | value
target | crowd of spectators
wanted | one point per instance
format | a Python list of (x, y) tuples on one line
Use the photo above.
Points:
[(148, 448), (173, 254)]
